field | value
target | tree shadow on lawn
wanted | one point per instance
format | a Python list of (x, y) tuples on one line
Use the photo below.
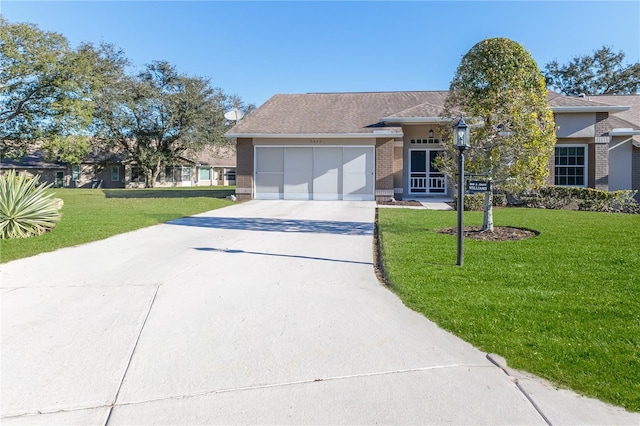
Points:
[(167, 193)]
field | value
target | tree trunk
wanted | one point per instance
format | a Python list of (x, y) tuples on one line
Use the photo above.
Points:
[(487, 220), (149, 178)]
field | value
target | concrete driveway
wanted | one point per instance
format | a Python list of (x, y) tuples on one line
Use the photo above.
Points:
[(266, 312)]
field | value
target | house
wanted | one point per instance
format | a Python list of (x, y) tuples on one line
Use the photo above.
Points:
[(216, 168), (113, 170), (375, 145), (35, 164)]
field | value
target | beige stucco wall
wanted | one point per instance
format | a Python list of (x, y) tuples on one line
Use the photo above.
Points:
[(574, 125), (620, 163)]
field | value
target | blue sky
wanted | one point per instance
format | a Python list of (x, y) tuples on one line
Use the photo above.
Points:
[(257, 49)]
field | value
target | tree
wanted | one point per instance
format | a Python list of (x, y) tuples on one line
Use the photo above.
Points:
[(503, 95), (602, 73), (39, 90), (159, 115)]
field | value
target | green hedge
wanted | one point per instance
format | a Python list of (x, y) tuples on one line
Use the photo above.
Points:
[(559, 197), (475, 202)]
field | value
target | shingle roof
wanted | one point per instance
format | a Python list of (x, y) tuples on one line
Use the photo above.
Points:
[(632, 115), (431, 108), (558, 100), (318, 113), (217, 157), (34, 160), (361, 113)]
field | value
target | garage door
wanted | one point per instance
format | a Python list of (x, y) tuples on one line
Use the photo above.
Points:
[(314, 173)]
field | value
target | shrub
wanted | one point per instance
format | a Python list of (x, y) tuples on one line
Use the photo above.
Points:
[(558, 197), (475, 202), (25, 209)]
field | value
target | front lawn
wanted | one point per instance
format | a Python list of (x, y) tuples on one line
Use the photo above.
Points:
[(94, 214), (564, 305)]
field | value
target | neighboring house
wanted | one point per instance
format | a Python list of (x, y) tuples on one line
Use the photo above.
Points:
[(367, 146), (105, 170), (216, 168), (35, 164), (96, 170)]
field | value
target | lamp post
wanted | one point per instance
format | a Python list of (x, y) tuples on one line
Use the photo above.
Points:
[(461, 143)]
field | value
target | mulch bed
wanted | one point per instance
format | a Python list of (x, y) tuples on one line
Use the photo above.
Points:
[(500, 233)]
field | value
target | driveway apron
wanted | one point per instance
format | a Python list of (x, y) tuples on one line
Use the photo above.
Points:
[(265, 312)]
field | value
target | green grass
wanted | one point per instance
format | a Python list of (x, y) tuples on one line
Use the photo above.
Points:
[(564, 305), (95, 214)]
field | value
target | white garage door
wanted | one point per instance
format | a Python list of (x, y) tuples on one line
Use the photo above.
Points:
[(314, 173)]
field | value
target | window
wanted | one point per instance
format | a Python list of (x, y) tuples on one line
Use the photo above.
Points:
[(137, 175), (115, 173), (426, 141), (205, 174), (172, 173), (59, 181), (185, 173), (570, 166), (231, 175), (75, 172)]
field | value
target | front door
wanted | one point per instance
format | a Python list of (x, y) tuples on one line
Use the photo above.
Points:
[(59, 182), (424, 177), (185, 175)]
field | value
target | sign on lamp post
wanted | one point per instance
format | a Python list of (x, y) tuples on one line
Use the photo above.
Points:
[(461, 143)]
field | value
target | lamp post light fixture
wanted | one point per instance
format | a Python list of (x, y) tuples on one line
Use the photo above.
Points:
[(461, 143)]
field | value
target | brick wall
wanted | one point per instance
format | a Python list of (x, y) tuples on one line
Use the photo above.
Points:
[(244, 169), (550, 180), (398, 167), (635, 173), (384, 169), (600, 165)]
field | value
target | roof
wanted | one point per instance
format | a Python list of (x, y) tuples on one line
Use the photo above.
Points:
[(632, 115), (34, 160), (217, 157), (330, 113), (364, 114)]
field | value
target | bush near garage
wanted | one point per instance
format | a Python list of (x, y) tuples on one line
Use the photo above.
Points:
[(588, 199)]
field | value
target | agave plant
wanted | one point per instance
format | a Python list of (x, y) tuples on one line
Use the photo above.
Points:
[(25, 209)]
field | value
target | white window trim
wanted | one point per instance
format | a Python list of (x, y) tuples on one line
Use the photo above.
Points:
[(586, 163)]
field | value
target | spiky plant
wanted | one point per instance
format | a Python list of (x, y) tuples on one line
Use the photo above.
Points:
[(25, 209)]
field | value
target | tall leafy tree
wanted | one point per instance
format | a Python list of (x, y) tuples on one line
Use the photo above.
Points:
[(159, 115), (602, 73), (503, 95), (40, 90)]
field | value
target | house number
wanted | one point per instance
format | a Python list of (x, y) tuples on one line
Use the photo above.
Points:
[(315, 140)]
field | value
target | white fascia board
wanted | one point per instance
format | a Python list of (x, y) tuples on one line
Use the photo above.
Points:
[(314, 135), (415, 120), (601, 108), (624, 132)]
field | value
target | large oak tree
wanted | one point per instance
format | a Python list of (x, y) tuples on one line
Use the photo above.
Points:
[(602, 73), (160, 115), (502, 92), (47, 91)]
